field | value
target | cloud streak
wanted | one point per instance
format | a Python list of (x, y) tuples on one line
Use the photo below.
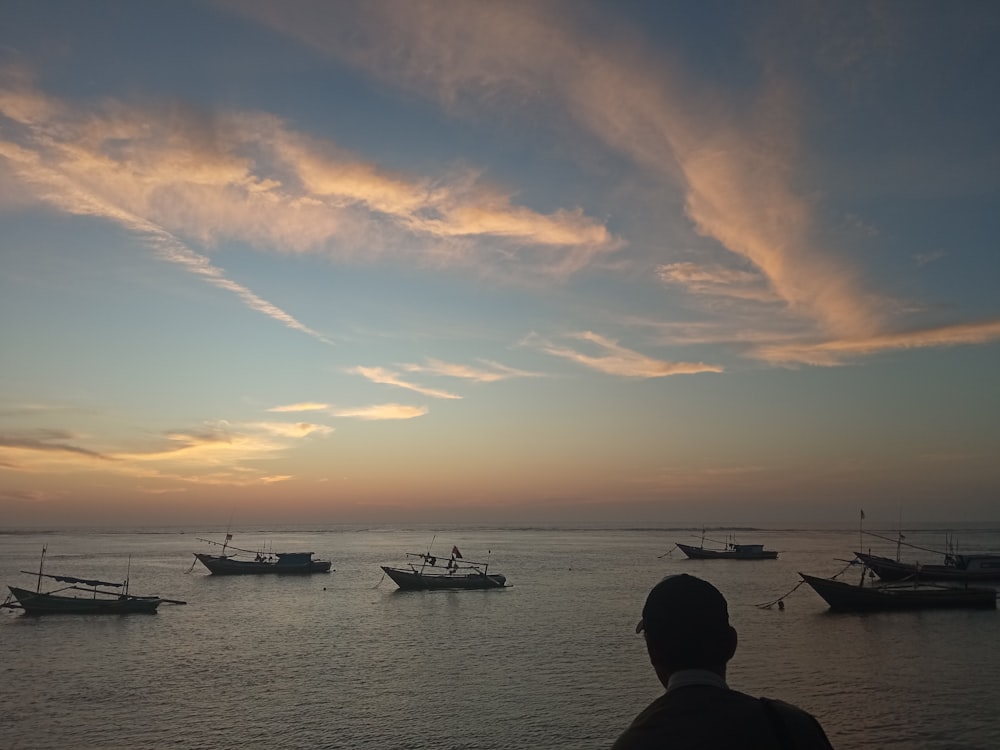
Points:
[(839, 351), (717, 281), (220, 453), (381, 412), (491, 372), (383, 376), (617, 360)]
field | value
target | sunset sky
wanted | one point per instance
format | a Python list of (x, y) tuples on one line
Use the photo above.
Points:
[(499, 262)]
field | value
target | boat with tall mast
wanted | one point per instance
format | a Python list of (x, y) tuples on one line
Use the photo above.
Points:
[(95, 598), (956, 567)]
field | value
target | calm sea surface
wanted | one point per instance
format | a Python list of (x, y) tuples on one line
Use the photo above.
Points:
[(345, 660)]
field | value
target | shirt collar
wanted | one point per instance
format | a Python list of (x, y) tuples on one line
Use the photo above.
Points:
[(685, 677)]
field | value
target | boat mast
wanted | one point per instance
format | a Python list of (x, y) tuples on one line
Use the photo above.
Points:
[(899, 539), (426, 557), (41, 562)]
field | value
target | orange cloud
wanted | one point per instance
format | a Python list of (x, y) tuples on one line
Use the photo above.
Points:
[(382, 411), (388, 377), (838, 351), (304, 406), (717, 281)]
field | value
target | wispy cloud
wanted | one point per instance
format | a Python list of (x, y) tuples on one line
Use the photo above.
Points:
[(303, 406), (922, 259), (839, 351), (47, 441), (617, 360), (491, 372), (381, 411), (67, 163), (215, 453), (383, 376), (717, 281), (176, 171)]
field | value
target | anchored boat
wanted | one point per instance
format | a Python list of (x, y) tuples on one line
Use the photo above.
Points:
[(844, 596), (729, 550), (248, 562), (90, 596), (453, 572)]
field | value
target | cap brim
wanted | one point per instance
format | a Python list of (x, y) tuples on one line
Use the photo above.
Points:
[(640, 626)]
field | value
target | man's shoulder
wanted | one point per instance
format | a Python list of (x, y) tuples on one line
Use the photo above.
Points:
[(705, 716), (795, 727), (698, 716)]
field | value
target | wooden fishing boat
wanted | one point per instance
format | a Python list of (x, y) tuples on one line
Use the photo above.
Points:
[(731, 552), (843, 596), (99, 603), (94, 598), (248, 562), (727, 550), (955, 567), (985, 567), (434, 573)]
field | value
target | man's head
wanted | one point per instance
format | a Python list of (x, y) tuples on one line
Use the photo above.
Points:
[(686, 624)]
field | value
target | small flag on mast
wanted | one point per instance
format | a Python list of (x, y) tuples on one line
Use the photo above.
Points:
[(862, 514), (456, 553), (229, 537)]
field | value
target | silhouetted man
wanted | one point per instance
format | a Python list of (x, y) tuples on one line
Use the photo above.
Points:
[(689, 639)]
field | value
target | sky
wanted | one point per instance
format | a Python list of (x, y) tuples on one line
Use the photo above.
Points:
[(499, 262)]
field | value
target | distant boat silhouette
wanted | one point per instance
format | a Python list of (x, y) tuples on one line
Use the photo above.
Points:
[(454, 573)]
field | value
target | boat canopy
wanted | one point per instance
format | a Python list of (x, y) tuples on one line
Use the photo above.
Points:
[(73, 579), (294, 558)]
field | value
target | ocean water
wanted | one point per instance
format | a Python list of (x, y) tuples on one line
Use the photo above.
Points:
[(344, 660)]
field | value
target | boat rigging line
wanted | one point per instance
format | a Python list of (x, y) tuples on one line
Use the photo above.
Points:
[(906, 544), (780, 601)]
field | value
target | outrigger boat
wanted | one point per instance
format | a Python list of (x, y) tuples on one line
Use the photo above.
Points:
[(241, 562), (843, 596), (434, 573), (956, 567), (730, 551), (100, 597)]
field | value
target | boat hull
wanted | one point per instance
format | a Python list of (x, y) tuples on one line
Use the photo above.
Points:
[(409, 580), (700, 553), (227, 566), (891, 570), (35, 603), (847, 597)]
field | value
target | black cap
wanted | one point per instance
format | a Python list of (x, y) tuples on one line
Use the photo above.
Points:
[(682, 605)]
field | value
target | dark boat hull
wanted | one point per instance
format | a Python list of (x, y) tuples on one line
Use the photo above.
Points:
[(34, 603), (227, 566), (891, 570), (850, 598), (409, 580), (700, 553)]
